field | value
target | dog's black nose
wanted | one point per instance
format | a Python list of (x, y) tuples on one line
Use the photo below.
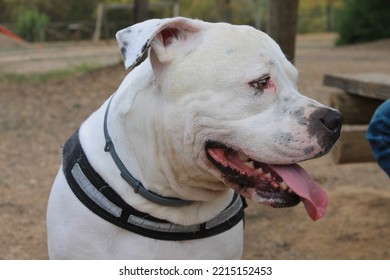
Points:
[(333, 121)]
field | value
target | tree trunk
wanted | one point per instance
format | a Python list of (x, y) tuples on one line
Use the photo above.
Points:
[(282, 24), (228, 13), (329, 20), (141, 10)]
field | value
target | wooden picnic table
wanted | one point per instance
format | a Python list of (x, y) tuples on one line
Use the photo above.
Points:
[(360, 96), (371, 85)]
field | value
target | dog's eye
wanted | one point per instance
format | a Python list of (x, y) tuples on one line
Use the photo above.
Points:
[(262, 83)]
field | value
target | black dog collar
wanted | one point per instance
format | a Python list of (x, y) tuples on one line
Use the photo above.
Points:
[(101, 199)]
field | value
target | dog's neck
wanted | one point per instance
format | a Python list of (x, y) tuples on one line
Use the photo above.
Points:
[(129, 178)]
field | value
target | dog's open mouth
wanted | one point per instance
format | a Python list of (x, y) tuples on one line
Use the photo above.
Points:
[(275, 185)]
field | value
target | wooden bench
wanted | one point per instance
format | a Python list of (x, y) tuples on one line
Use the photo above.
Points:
[(360, 96)]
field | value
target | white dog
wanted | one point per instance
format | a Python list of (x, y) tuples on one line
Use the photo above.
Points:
[(154, 173)]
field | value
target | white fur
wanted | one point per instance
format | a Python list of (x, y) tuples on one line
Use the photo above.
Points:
[(190, 90)]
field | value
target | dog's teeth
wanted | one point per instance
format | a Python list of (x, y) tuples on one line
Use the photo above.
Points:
[(283, 186), (268, 175), (260, 170), (243, 157), (250, 164)]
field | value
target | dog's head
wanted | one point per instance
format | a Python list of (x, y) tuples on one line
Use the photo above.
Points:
[(232, 112)]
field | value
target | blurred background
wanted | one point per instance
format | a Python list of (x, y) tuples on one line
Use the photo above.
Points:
[(59, 61), (55, 20)]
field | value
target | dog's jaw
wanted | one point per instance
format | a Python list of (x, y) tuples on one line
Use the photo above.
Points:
[(274, 185)]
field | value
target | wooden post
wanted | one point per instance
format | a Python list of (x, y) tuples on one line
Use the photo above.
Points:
[(227, 10), (141, 10), (258, 13), (176, 8), (99, 22), (282, 24)]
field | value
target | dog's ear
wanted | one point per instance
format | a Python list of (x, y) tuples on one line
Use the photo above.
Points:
[(161, 34)]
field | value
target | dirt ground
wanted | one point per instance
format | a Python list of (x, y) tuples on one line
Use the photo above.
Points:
[(36, 119)]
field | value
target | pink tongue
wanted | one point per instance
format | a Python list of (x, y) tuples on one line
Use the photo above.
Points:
[(313, 197)]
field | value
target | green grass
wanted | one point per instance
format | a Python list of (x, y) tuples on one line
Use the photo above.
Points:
[(47, 76)]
